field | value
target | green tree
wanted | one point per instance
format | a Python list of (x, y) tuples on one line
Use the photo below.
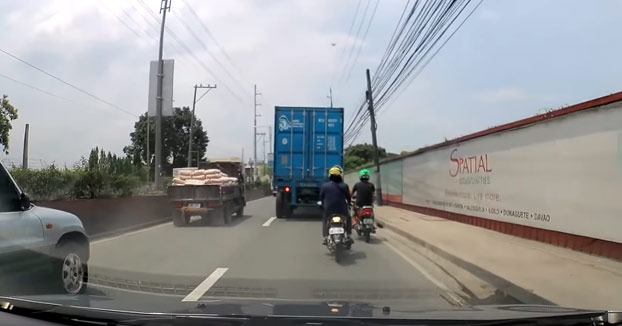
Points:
[(8, 113), (361, 154), (175, 131)]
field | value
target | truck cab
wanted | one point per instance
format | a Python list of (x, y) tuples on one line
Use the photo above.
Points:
[(308, 141)]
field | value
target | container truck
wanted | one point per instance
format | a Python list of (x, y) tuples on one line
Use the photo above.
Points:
[(308, 141)]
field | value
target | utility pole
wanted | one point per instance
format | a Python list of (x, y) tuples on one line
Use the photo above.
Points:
[(194, 102), (148, 146), (255, 115), (164, 6), (263, 140), (330, 96), (372, 117), (25, 154), (270, 151)]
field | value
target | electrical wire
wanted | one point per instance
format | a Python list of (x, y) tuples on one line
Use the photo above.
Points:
[(358, 53), (35, 88), (343, 49), (114, 106), (187, 49), (130, 28), (358, 32), (211, 35), (139, 25), (200, 41), (414, 43)]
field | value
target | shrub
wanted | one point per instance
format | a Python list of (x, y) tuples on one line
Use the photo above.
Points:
[(101, 175)]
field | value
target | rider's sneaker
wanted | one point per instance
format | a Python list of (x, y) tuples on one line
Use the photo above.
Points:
[(324, 241)]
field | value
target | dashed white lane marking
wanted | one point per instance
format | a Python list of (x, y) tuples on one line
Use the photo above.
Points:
[(270, 220), (200, 290), (131, 233)]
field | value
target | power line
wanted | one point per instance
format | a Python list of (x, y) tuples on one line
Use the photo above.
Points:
[(122, 21), (35, 88), (145, 19), (187, 49), (198, 39), (44, 91), (358, 32), (343, 50), (363, 40), (211, 35), (412, 46), (411, 78), (133, 19), (68, 84)]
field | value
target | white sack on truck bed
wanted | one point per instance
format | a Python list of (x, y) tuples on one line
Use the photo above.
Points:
[(198, 172), (195, 182), (204, 177), (199, 177)]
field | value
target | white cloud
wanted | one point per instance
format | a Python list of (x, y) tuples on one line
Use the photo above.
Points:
[(501, 95)]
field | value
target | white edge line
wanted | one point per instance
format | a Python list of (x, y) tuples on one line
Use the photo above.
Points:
[(130, 233), (269, 221), (418, 267), (200, 290)]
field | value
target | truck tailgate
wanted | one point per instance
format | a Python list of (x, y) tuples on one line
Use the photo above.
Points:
[(194, 193)]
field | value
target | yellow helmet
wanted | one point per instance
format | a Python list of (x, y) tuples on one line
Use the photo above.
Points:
[(336, 171)]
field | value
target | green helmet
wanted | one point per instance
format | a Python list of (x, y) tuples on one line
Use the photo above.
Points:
[(364, 174)]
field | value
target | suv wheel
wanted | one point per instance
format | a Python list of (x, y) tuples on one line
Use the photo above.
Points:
[(70, 270)]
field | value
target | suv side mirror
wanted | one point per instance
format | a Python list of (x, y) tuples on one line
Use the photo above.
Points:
[(24, 201)]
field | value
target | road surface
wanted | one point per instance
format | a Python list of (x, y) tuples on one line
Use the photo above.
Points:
[(256, 257)]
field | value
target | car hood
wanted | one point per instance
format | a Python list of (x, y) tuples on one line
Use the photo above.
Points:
[(60, 219), (304, 309)]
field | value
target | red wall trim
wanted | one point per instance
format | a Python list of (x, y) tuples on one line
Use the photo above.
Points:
[(392, 198), (587, 245)]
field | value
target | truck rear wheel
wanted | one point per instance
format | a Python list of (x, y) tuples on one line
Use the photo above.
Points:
[(282, 207), (178, 218), (226, 211), (279, 205)]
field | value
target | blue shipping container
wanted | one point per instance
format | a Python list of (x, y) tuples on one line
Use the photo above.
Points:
[(308, 141)]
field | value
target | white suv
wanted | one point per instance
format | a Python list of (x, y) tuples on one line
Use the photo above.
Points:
[(31, 234)]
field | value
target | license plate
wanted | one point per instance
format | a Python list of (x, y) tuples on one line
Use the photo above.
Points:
[(368, 221), (194, 205), (336, 231)]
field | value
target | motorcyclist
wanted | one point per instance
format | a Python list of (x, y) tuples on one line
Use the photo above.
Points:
[(363, 191), (335, 198)]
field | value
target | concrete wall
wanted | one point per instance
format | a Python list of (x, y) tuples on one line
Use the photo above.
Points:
[(562, 175), (102, 215)]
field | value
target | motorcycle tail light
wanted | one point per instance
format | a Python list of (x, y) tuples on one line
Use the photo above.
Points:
[(367, 212), (287, 189), (336, 219)]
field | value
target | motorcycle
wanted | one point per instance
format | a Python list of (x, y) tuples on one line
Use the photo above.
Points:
[(364, 222), (337, 242)]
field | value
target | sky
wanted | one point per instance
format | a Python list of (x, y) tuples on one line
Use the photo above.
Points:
[(510, 60)]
